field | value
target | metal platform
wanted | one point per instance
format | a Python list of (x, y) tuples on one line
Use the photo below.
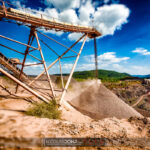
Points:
[(17, 15), (34, 23)]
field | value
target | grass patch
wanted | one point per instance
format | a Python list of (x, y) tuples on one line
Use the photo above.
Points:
[(44, 110), (80, 80), (132, 100), (121, 84), (59, 82), (8, 80)]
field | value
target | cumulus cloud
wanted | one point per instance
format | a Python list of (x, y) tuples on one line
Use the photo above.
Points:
[(81, 67), (106, 58), (63, 4), (110, 17), (18, 2), (68, 16), (133, 69), (141, 51), (86, 13), (106, 19), (108, 61), (76, 36), (33, 70), (106, 1), (110, 57), (51, 13), (58, 33)]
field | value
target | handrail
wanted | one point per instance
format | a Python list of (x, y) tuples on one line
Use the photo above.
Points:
[(39, 21)]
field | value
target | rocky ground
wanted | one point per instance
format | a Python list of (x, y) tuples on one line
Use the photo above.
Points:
[(17, 128), (131, 133), (131, 92)]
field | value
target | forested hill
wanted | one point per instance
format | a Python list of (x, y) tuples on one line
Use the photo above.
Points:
[(102, 74)]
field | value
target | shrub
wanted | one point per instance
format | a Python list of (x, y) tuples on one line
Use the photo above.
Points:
[(45, 110), (8, 80), (59, 82), (80, 80)]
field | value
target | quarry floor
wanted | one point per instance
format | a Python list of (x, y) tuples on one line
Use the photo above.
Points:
[(131, 133)]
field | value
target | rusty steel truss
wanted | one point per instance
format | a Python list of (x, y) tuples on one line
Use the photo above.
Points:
[(34, 22)]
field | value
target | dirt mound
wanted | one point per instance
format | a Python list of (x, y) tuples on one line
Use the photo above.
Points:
[(98, 102), (133, 132)]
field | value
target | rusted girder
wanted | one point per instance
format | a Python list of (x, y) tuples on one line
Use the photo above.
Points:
[(23, 17)]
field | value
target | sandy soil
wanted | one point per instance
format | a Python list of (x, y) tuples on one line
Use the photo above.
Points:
[(15, 126), (120, 133)]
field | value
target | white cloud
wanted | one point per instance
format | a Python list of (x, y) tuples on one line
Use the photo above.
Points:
[(139, 70), (106, 58), (133, 69), (68, 16), (81, 67), (106, 1), (18, 3), (75, 36), (141, 51), (111, 58), (109, 18), (58, 33), (33, 70), (34, 66), (67, 66), (51, 13), (109, 63), (86, 13), (63, 4), (106, 19)]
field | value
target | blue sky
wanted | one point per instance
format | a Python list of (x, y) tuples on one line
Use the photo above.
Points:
[(125, 26)]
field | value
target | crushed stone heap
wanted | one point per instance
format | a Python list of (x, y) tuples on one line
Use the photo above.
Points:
[(98, 102)]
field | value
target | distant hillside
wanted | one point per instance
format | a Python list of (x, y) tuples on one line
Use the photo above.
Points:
[(142, 76), (103, 74)]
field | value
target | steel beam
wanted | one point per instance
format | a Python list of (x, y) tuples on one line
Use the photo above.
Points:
[(35, 57), (25, 55), (33, 64), (23, 85), (57, 42), (48, 47), (96, 61), (62, 81), (4, 8), (54, 62), (45, 67), (69, 57), (11, 49), (17, 42), (71, 73)]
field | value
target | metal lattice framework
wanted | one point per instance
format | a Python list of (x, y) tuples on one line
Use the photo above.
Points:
[(7, 12)]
